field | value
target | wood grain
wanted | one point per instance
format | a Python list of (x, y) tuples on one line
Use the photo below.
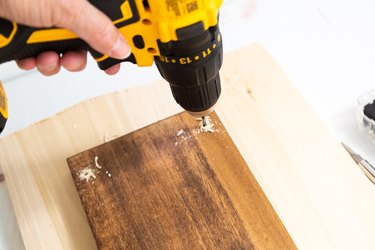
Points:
[(165, 187), (319, 193)]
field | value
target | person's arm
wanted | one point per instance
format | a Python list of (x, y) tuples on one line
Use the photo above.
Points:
[(80, 17)]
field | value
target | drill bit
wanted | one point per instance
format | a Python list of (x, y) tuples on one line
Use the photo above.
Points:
[(206, 124), (204, 121)]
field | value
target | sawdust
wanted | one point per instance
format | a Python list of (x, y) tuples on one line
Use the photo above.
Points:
[(90, 173), (205, 125), (180, 132), (86, 174), (96, 159), (96, 162), (182, 136)]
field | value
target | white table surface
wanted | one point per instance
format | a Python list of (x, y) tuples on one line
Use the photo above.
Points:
[(325, 47)]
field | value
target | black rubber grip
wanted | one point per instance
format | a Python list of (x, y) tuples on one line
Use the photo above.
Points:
[(17, 50)]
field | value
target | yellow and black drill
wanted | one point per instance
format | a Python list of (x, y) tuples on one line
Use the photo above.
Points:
[(181, 36)]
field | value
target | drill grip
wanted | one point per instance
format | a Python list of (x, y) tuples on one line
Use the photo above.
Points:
[(19, 41), (22, 44), (14, 43)]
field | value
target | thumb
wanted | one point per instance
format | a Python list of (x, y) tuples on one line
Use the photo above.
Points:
[(96, 29)]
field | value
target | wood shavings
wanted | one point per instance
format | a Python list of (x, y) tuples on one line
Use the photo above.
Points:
[(96, 162), (182, 136), (180, 132), (206, 125), (86, 174)]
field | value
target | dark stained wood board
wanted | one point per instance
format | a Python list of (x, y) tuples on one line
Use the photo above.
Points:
[(171, 186)]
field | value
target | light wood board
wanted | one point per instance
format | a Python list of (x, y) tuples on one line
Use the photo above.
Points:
[(320, 195), (172, 186)]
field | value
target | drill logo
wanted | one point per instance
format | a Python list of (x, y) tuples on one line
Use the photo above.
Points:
[(178, 8), (192, 6)]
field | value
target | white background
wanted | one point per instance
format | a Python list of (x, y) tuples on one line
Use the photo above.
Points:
[(325, 47)]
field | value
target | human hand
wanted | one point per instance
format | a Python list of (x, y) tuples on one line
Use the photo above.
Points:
[(80, 17)]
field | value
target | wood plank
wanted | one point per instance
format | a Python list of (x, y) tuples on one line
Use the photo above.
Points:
[(169, 185), (320, 195), (46, 203)]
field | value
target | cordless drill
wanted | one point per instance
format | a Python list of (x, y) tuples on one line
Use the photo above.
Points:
[(181, 36)]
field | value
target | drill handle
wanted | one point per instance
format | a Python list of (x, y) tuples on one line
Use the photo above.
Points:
[(19, 42)]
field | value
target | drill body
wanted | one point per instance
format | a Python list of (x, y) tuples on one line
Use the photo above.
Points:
[(181, 36)]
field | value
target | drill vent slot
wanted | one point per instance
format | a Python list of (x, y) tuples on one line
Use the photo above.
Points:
[(146, 21), (146, 5), (139, 42), (151, 50)]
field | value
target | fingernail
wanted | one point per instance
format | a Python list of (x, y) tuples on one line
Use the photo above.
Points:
[(120, 49), (49, 67)]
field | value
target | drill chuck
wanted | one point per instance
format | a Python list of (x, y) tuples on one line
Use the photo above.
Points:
[(191, 66)]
